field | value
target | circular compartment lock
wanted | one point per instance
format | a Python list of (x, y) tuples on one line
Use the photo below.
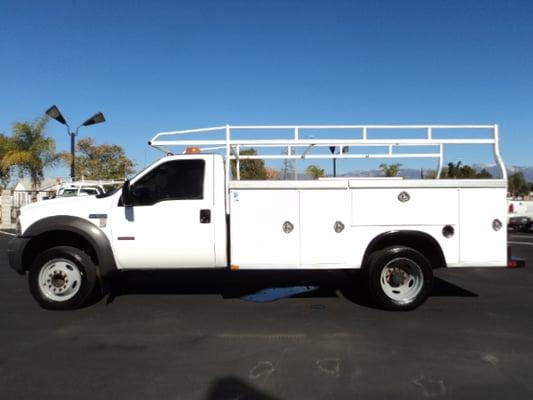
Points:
[(404, 197), (287, 227), (338, 226)]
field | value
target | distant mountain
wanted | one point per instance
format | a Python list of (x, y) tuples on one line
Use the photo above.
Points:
[(410, 173), (511, 169), (407, 173)]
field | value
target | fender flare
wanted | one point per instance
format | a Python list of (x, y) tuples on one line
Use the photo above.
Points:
[(90, 232), (436, 257)]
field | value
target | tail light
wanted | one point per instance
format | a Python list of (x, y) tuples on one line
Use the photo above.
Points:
[(511, 208)]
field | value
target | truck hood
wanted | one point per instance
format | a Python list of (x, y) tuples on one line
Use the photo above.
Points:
[(80, 207), (60, 202)]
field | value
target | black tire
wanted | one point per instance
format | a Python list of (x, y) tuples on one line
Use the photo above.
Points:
[(52, 269), (399, 278)]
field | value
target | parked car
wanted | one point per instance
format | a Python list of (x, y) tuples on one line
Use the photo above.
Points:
[(520, 215), (75, 190), (86, 188)]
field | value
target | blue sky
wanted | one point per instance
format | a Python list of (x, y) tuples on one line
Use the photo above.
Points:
[(155, 66)]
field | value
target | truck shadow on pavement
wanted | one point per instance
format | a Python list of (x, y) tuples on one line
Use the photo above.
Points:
[(258, 286), (228, 388)]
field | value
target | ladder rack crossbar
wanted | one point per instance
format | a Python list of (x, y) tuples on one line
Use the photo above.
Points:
[(320, 142)]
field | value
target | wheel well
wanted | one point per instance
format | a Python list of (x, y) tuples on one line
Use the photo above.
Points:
[(419, 241), (47, 240)]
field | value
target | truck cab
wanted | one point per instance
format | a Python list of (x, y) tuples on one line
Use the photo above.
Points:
[(175, 216)]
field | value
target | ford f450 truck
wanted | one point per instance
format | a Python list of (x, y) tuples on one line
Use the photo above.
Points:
[(192, 211)]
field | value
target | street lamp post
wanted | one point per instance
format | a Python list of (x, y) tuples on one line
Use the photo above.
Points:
[(343, 150), (54, 113)]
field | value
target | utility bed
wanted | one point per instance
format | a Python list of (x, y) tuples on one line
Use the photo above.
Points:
[(366, 209)]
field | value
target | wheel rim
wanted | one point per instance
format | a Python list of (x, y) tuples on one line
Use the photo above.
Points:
[(402, 280), (60, 279)]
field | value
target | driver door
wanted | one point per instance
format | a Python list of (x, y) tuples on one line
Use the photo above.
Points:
[(169, 224)]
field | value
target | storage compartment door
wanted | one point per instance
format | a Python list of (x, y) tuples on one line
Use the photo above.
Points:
[(258, 237), (480, 244), (325, 226)]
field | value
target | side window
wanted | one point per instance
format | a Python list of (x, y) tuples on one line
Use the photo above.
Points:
[(173, 180)]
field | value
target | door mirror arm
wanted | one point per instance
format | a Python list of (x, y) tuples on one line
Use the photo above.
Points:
[(127, 194)]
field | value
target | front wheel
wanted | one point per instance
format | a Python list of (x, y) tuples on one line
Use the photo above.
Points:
[(62, 278), (399, 278)]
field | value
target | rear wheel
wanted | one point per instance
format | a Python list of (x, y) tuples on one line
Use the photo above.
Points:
[(62, 278), (399, 278)]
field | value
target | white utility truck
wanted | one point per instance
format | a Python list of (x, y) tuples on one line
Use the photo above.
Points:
[(520, 217), (193, 211), (86, 188)]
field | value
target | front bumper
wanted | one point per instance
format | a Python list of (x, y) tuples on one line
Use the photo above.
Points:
[(15, 250)]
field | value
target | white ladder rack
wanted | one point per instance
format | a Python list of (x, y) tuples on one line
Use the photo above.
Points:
[(230, 147)]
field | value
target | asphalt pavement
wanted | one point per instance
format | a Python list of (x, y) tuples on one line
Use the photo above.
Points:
[(190, 335)]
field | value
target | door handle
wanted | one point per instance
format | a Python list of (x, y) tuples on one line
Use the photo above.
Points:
[(205, 216)]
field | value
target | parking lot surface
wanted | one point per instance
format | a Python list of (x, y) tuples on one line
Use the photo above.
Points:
[(190, 335)]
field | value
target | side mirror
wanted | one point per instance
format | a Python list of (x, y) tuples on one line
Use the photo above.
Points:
[(127, 195)]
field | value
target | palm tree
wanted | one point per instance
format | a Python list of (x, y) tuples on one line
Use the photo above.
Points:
[(30, 150), (453, 171), (390, 170), (315, 171), (5, 172)]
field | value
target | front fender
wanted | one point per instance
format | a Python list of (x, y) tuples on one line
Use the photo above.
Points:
[(94, 235)]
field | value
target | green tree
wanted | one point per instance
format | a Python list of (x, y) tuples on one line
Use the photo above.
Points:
[(430, 174), (452, 172), (484, 174), (30, 150), (272, 174), (105, 161), (5, 172), (467, 172), (315, 171), (249, 169), (390, 170), (517, 184), (459, 171)]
